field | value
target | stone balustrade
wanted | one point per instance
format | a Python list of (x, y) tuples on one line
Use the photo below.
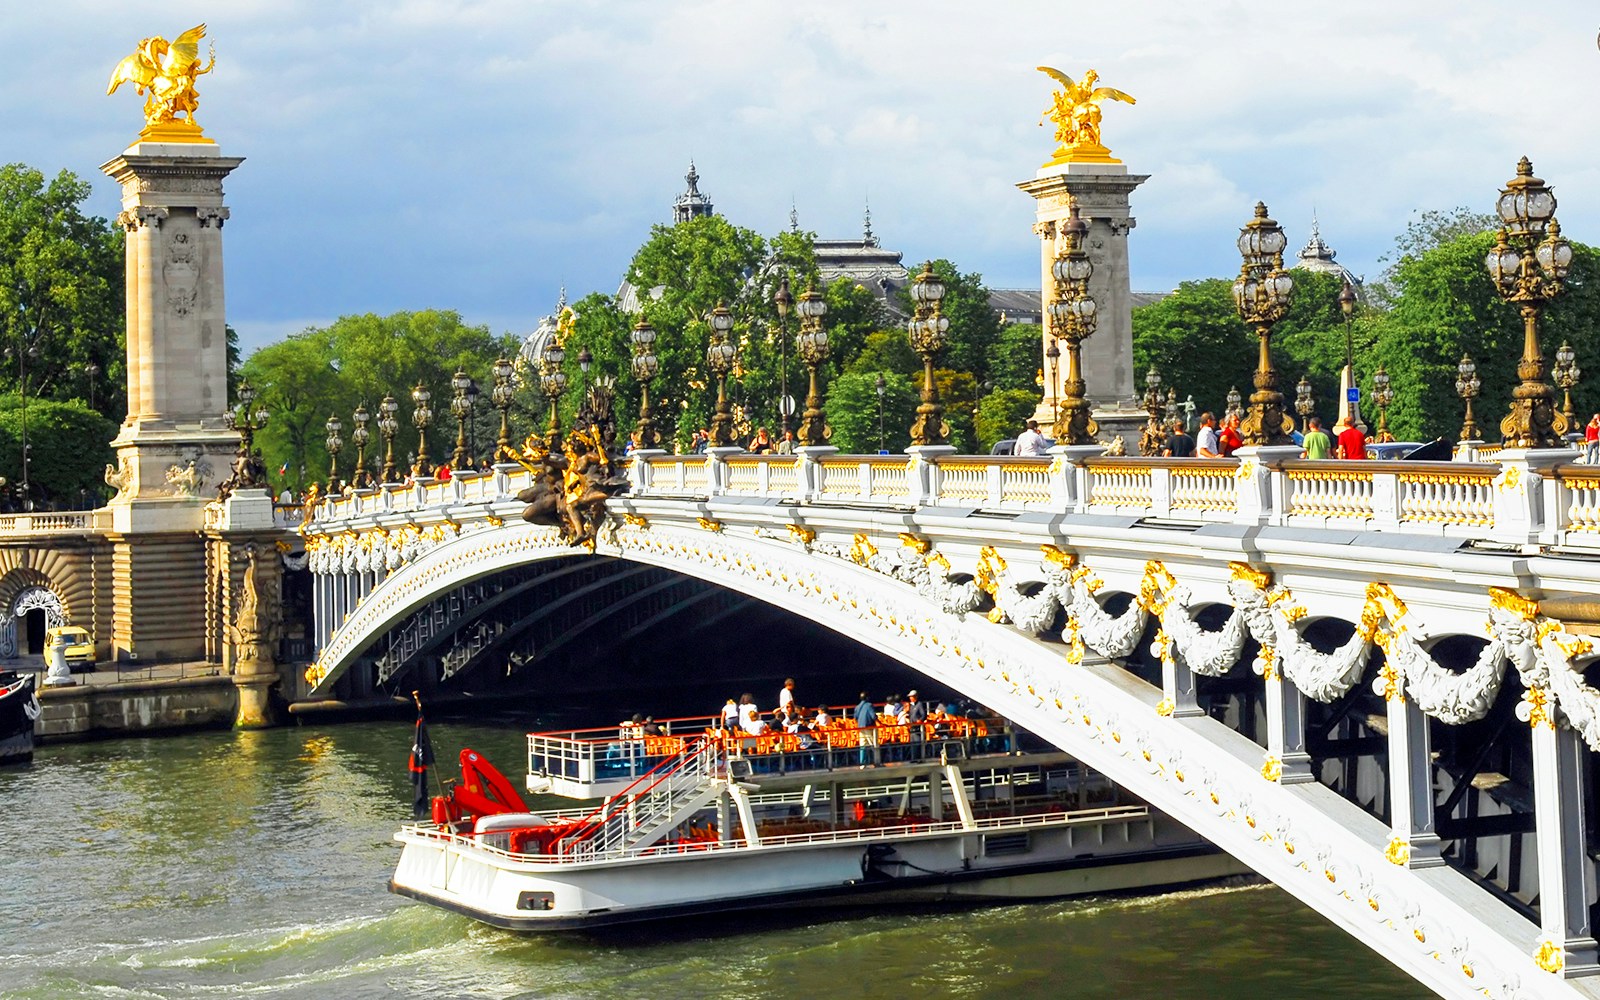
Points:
[(53, 522), (1518, 500)]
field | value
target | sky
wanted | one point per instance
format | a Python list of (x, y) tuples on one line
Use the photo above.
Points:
[(479, 155)]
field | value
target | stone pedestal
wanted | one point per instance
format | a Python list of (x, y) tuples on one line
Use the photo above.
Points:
[(1102, 191), (1525, 491), (173, 442)]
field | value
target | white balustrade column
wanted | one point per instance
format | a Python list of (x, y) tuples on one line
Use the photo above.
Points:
[(641, 475), (1387, 491), (1161, 492), (1564, 868), (924, 479), (1072, 457), (1259, 495), (809, 469), (1411, 796), (717, 469), (1286, 729), (1519, 514)]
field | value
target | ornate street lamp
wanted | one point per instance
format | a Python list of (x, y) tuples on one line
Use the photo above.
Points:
[(1154, 435), (91, 372), (461, 409), (362, 479), (389, 426), (720, 356), (1528, 265), (244, 417), (554, 382), (335, 444), (1305, 403), (645, 364), (1566, 375), (783, 299), (1383, 395), (421, 418), (1073, 320), (473, 392), (1235, 403), (811, 343), (927, 330), (1172, 406), (879, 386), (1468, 385), (1262, 293), (502, 395)]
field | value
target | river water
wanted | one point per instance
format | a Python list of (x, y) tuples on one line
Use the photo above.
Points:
[(254, 864)]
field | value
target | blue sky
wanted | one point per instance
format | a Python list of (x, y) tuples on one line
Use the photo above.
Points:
[(480, 155)]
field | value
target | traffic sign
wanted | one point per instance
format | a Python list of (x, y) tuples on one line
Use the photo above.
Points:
[(1352, 395)]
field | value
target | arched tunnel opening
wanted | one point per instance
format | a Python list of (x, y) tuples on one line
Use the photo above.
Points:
[(592, 638)]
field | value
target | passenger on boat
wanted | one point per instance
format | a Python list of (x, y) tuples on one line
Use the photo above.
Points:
[(823, 719), (786, 693), (751, 721), (916, 716), (730, 714), (867, 722), (652, 727)]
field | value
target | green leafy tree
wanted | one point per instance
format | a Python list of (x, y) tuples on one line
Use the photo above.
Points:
[(1002, 414), (853, 412), (1017, 357), (356, 360), (958, 393), (886, 351), (1196, 338), (68, 447), (61, 290)]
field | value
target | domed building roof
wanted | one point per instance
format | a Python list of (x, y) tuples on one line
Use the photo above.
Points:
[(1317, 256), (533, 344)]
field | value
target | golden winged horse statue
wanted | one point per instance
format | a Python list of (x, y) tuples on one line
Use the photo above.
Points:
[(1075, 110), (165, 72)]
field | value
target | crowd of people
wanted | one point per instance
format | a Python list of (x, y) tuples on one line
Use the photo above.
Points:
[(1221, 440)]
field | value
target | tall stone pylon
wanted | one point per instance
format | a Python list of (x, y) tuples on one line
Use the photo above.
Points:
[(174, 448), (1083, 169)]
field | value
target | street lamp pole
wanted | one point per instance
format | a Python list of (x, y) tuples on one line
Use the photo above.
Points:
[(783, 299), (388, 426), (421, 417), (362, 480), (1072, 315), (879, 386), (1529, 265), (645, 365), (1468, 385), (461, 409), (1261, 294), (720, 355), (554, 382), (1566, 375), (1382, 395), (502, 396), (811, 343), (928, 330), (1154, 437), (335, 444)]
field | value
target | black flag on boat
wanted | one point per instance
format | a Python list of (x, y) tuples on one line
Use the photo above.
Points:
[(421, 760)]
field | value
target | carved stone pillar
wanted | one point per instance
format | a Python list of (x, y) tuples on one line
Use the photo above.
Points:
[(1415, 842), (1286, 730), (1564, 876)]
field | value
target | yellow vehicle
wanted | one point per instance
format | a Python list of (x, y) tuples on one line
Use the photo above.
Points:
[(80, 644)]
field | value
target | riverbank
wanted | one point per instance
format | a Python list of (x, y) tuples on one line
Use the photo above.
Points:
[(142, 701)]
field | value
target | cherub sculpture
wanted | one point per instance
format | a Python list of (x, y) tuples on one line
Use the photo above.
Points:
[(1075, 109), (165, 72)]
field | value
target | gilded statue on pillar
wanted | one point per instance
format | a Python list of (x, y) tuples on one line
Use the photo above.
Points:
[(165, 72), (1075, 110)]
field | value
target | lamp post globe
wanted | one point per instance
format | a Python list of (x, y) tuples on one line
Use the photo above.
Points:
[(721, 353), (811, 344), (1262, 294), (645, 364), (421, 418), (927, 329)]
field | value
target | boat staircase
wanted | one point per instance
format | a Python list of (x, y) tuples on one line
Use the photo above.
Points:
[(660, 800)]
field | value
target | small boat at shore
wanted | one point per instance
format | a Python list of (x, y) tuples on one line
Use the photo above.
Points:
[(19, 709), (699, 820)]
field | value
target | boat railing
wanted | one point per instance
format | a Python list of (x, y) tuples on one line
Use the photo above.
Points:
[(911, 827), (586, 757), (647, 802)]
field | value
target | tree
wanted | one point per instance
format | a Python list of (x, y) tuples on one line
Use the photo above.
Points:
[(1017, 357), (886, 351), (358, 360), (852, 409), (69, 446), (1430, 229), (1002, 414), (61, 290)]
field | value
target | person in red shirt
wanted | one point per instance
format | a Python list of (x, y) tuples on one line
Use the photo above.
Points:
[(1591, 440), (1229, 437), (1352, 443)]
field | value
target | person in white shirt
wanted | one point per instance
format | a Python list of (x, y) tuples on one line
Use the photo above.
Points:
[(730, 715), (751, 722), (1205, 443), (1030, 441), (786, 695), (823, 718)]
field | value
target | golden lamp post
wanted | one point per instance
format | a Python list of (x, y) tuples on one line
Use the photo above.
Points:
[(554, 382), (503, 395), (421, 419), (359, 436), (1383, 396), (1072, 319), (389, 426), (461, 409), (1262, 293), (927, 329), (720, 355), (645, 365), (1528, 265), (1567, 375), (811, 344), (1468, 385)]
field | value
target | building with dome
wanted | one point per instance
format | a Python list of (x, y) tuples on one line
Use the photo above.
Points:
[(1317, 256)]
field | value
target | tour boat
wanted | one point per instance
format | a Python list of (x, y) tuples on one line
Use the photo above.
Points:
[(706, 821), (19, 708)]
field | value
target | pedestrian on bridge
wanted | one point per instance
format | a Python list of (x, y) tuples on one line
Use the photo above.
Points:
[(1317, 444), (1205, 444), (1352, 443), (1179, 443), (1030, 441), (1591, 441)]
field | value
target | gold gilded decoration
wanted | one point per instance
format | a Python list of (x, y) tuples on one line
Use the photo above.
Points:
[(1510, 481), (802, 534), (710, 525), (1260, 579), (1165, 708), (1398, 852), (1154, 587), (990, 567), (1536, 705), (862, 549), (1391, 683), (1074, 637), (1075, 110), (1272, 768), (165, 72), (571, 486), (1057, 556), (636, 520), (1550, 956), (1513, 603), (916, 543)]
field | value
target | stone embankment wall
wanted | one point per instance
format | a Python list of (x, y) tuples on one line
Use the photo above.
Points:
[(129, 708)]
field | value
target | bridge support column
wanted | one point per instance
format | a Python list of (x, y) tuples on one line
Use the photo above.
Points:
[(1564, 875), (1411, 806), (1177, 689), (924, 478), (810, 468), (1286, 730)]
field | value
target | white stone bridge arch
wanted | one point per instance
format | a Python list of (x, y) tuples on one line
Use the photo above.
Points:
[(1001, 604)]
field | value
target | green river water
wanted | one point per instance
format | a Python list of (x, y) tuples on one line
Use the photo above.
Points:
[(253, 864)]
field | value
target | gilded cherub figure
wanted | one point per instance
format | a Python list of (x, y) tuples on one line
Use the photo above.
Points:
[(1075, 109), (165, 72)]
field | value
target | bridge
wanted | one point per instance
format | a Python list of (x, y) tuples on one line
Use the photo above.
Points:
[(1363, 679)]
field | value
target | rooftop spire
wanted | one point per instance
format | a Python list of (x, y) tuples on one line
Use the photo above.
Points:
[(866, 226), (794, 216), (691, 204)]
